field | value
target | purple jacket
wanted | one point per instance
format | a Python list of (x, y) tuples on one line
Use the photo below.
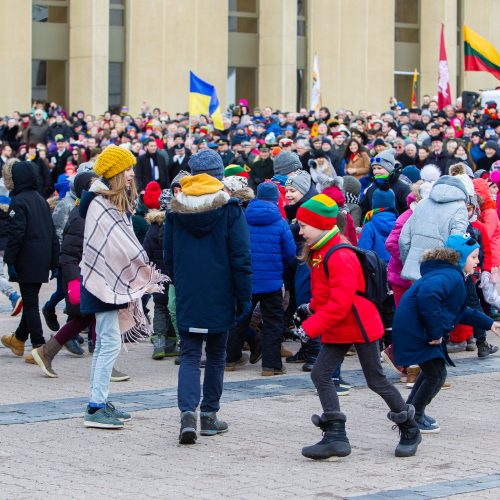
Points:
[(395, 265)]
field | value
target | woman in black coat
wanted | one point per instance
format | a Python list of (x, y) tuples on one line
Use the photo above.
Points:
[(32, 250)]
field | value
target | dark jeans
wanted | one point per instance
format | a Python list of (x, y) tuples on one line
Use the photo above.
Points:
[(56, 297), (474, 302), (188, 386), (427, 385), (271, 308), (331, 355), (73, 327), (30, 325)]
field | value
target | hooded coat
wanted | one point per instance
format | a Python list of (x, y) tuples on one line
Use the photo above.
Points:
[(32, 247), (207, 256), (375, 233), (432, 221), (271, 243), (401, 191), (431, 309)]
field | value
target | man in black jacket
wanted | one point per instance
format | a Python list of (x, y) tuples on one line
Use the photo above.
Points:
[(438, 157), (179, 161), (59, 159), (151, 166), (32, 251)]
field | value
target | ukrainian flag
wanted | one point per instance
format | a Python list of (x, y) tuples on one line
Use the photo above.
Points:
[(203, 100)]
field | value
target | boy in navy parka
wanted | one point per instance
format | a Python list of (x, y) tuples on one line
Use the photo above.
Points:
[(272, 247), (428, 312)]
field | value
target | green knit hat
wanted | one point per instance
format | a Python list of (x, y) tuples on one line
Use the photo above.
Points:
[(233, 170), (320, 211)]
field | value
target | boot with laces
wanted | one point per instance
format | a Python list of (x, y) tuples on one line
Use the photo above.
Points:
[(409, 432)]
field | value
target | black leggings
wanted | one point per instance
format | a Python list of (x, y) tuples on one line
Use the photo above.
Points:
[(31, 324), (427, 385), (369, 357)]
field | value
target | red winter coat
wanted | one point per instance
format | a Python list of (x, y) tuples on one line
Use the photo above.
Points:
[(334, 296)]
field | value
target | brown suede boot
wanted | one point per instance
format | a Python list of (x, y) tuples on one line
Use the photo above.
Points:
[(44, 355), (15, 345)]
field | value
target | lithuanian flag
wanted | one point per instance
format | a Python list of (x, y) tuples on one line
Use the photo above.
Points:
[(479, 54), (203, 100)]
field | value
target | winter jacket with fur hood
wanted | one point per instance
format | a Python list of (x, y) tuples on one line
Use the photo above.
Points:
[(32, 247), (207, 255), (432, 308), (432, 221)]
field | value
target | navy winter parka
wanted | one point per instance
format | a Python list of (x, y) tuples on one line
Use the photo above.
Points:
[(207, 256), (272, 245), (431, 309)]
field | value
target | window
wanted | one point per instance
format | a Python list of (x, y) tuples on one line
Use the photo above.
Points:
[(407, 21), (243, 16), (116, 13), (115, 87), (50, 11), (241, 84)]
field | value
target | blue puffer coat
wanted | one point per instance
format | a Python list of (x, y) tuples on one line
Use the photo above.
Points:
[(271, 244), (376, 231), (431, 309)]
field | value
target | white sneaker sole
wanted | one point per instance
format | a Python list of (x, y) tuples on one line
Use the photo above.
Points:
[(99, 425)]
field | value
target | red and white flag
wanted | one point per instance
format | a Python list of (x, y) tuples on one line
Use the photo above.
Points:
[(444, 94)]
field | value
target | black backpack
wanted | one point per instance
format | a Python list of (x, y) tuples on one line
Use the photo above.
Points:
[(374, 272)]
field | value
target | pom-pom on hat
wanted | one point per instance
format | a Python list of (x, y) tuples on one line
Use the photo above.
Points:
[(151, 197), (267, 191), (320, 212), (463, 244), (112, 161)]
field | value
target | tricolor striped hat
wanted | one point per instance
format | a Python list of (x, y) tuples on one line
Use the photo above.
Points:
[(320, 211)]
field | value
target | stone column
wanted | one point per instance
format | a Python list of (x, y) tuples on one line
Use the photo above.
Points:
[(88, 55), (277, 77), (15, 54)]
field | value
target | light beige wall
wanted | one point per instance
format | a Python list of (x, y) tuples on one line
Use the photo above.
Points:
[(432, 14), (354, 40), (88, 55), (482, 17), (15, 54), (167, 38), (277, 75)]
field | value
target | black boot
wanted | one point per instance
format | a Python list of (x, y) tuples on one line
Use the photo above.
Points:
[(484, 349), (409, 432), (188, 428), (334, 442)]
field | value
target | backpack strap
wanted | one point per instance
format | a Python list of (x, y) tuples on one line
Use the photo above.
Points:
[(354, 310)]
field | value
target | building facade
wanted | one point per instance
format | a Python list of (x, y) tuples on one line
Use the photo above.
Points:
[(96, 54)]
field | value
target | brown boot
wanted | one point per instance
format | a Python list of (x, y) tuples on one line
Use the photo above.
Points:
[(412, 374), (285, 353), (44, 355), (15, 345)]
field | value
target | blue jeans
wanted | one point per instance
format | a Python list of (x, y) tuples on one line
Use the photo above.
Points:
[(189, 387), (107, 348), (56, 297)]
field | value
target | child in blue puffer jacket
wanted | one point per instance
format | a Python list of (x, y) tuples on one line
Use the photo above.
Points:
[(272, 248)]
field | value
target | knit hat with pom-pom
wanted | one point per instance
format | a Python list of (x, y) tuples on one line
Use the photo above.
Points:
[(151, 196)]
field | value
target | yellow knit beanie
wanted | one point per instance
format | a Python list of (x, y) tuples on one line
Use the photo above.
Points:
[(112, 161)]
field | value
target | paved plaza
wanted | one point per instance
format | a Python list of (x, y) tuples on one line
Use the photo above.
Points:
[(45, 452)]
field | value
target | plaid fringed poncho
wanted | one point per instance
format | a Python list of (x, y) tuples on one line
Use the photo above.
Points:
[(115, 268)]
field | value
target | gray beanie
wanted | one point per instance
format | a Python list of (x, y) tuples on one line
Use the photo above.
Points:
[(386, 159), (86, 166), (286, 162), (352, 185), (301, 181), (207, 162)]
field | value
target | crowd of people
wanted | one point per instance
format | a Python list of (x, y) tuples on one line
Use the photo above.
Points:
[(368, 234)]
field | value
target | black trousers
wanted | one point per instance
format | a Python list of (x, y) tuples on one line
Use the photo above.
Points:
[(271, 308), (427, 385), (31, 324), (369, 357)]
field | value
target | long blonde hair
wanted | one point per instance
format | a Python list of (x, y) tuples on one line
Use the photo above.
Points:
[(119, 194)]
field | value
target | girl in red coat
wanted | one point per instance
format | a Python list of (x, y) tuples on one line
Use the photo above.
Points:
[(336, 313)]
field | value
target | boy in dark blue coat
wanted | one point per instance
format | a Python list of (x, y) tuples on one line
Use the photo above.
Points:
[(428, 312), (272, 248)]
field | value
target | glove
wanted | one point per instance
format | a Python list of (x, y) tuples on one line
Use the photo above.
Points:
[(74, 292), (243, 310), (300, 333), (54, 273), (12, 272), (301, 314)]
